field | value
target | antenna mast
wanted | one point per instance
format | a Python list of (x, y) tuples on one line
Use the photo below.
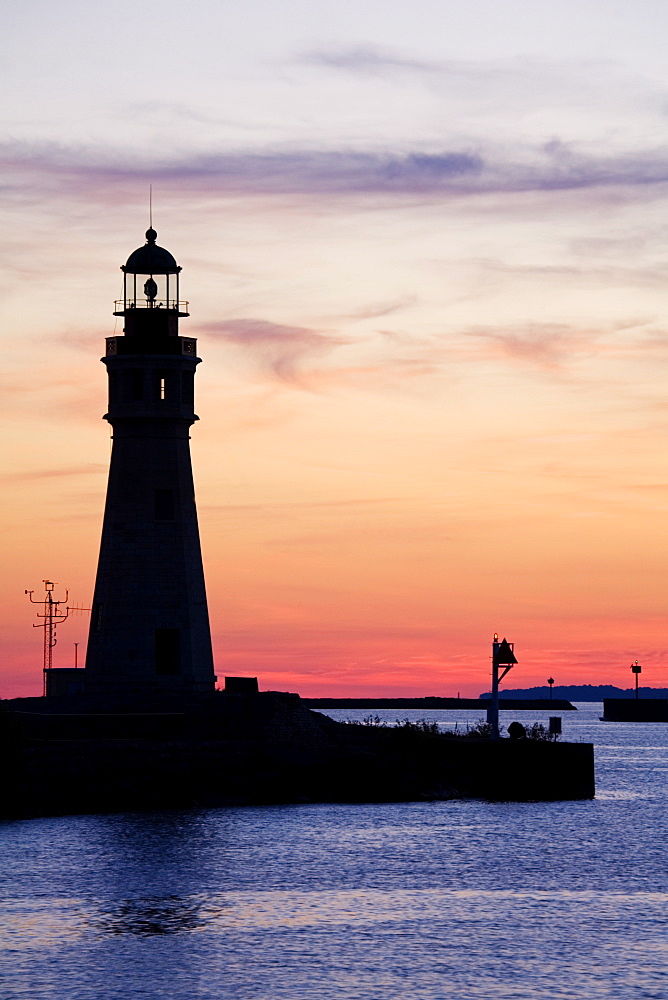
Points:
[(53, 616)]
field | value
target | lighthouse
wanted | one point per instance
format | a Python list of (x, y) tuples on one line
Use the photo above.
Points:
[(149, 630)]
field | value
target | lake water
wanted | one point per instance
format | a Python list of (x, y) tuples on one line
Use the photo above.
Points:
[(422, 901)]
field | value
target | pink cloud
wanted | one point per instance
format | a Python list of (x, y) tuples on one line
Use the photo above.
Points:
[(277, 349)]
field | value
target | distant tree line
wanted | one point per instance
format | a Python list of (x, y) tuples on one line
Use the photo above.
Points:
[(580, 692)]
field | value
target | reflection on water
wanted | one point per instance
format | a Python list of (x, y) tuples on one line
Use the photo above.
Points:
[(167, 915), (427, 901), (319, 910)]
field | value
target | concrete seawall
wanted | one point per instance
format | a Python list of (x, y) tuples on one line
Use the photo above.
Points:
[(635, 709), (263, 749)]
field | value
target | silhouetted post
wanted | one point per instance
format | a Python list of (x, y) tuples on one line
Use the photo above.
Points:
[(493, 710), (550, 681), (637, 670), (502, 656)]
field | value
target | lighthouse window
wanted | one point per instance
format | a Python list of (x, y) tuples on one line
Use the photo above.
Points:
[(164, 505), (133, 384), (113, 387), (188, 387), (162, 385), (167, 651)]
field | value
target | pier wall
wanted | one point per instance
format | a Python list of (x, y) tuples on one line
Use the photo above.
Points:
[(264, 749)]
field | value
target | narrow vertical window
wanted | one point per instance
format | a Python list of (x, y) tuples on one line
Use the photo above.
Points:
[(188, 387), (163, 388), (133, 384), (97, 616), (167, 651)]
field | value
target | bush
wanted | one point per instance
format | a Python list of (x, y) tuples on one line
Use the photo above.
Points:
[(482, 730), (539, 732), (374, 721), (421, 726)]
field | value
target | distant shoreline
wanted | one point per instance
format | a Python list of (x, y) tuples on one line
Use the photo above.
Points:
[(443, 704), (580, 692), (511, 699)]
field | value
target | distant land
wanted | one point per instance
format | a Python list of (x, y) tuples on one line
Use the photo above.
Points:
[(440, 704), (580, 692)]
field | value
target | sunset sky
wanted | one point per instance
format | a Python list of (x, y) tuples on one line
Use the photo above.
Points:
[(426, 251)]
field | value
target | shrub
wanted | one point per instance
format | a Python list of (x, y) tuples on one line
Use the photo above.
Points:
[(538, 731), (421, 726), (482, 730)]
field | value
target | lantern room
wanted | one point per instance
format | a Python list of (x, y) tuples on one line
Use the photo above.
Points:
[(150, 303)]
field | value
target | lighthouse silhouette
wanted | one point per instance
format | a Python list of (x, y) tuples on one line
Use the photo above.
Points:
[(149, 630)]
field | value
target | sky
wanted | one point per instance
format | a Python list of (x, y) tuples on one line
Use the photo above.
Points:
[(425, 247)]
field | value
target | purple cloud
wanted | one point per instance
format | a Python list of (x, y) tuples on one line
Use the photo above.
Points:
[(542, 344), (278, 349), (555, 166), (366, 59), (552, 345)]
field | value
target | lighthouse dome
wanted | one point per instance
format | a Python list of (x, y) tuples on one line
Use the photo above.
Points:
[(151, 259)]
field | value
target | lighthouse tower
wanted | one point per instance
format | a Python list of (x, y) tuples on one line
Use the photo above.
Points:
[(149, 631)]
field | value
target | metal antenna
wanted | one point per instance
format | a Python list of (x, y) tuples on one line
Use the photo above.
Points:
[(150, 206), (52, 616)]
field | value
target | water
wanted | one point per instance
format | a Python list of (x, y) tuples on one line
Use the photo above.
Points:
[(412, 900)]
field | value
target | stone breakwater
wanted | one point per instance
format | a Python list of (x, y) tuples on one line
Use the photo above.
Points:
[(258, 749)]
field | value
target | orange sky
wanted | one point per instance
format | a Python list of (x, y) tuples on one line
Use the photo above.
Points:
[(379, 489), (427, 272)]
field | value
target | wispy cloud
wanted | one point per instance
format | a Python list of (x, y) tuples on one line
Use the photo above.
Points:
[(299, 505), (277, 349), (273, 171), (402, 359), (376, 310), (30, 475), (448, 172), (554, 345), (617, 275), (367, 59), (547, 345)]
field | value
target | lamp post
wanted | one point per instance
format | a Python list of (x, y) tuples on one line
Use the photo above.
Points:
[(637, 670), (550, 681)]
